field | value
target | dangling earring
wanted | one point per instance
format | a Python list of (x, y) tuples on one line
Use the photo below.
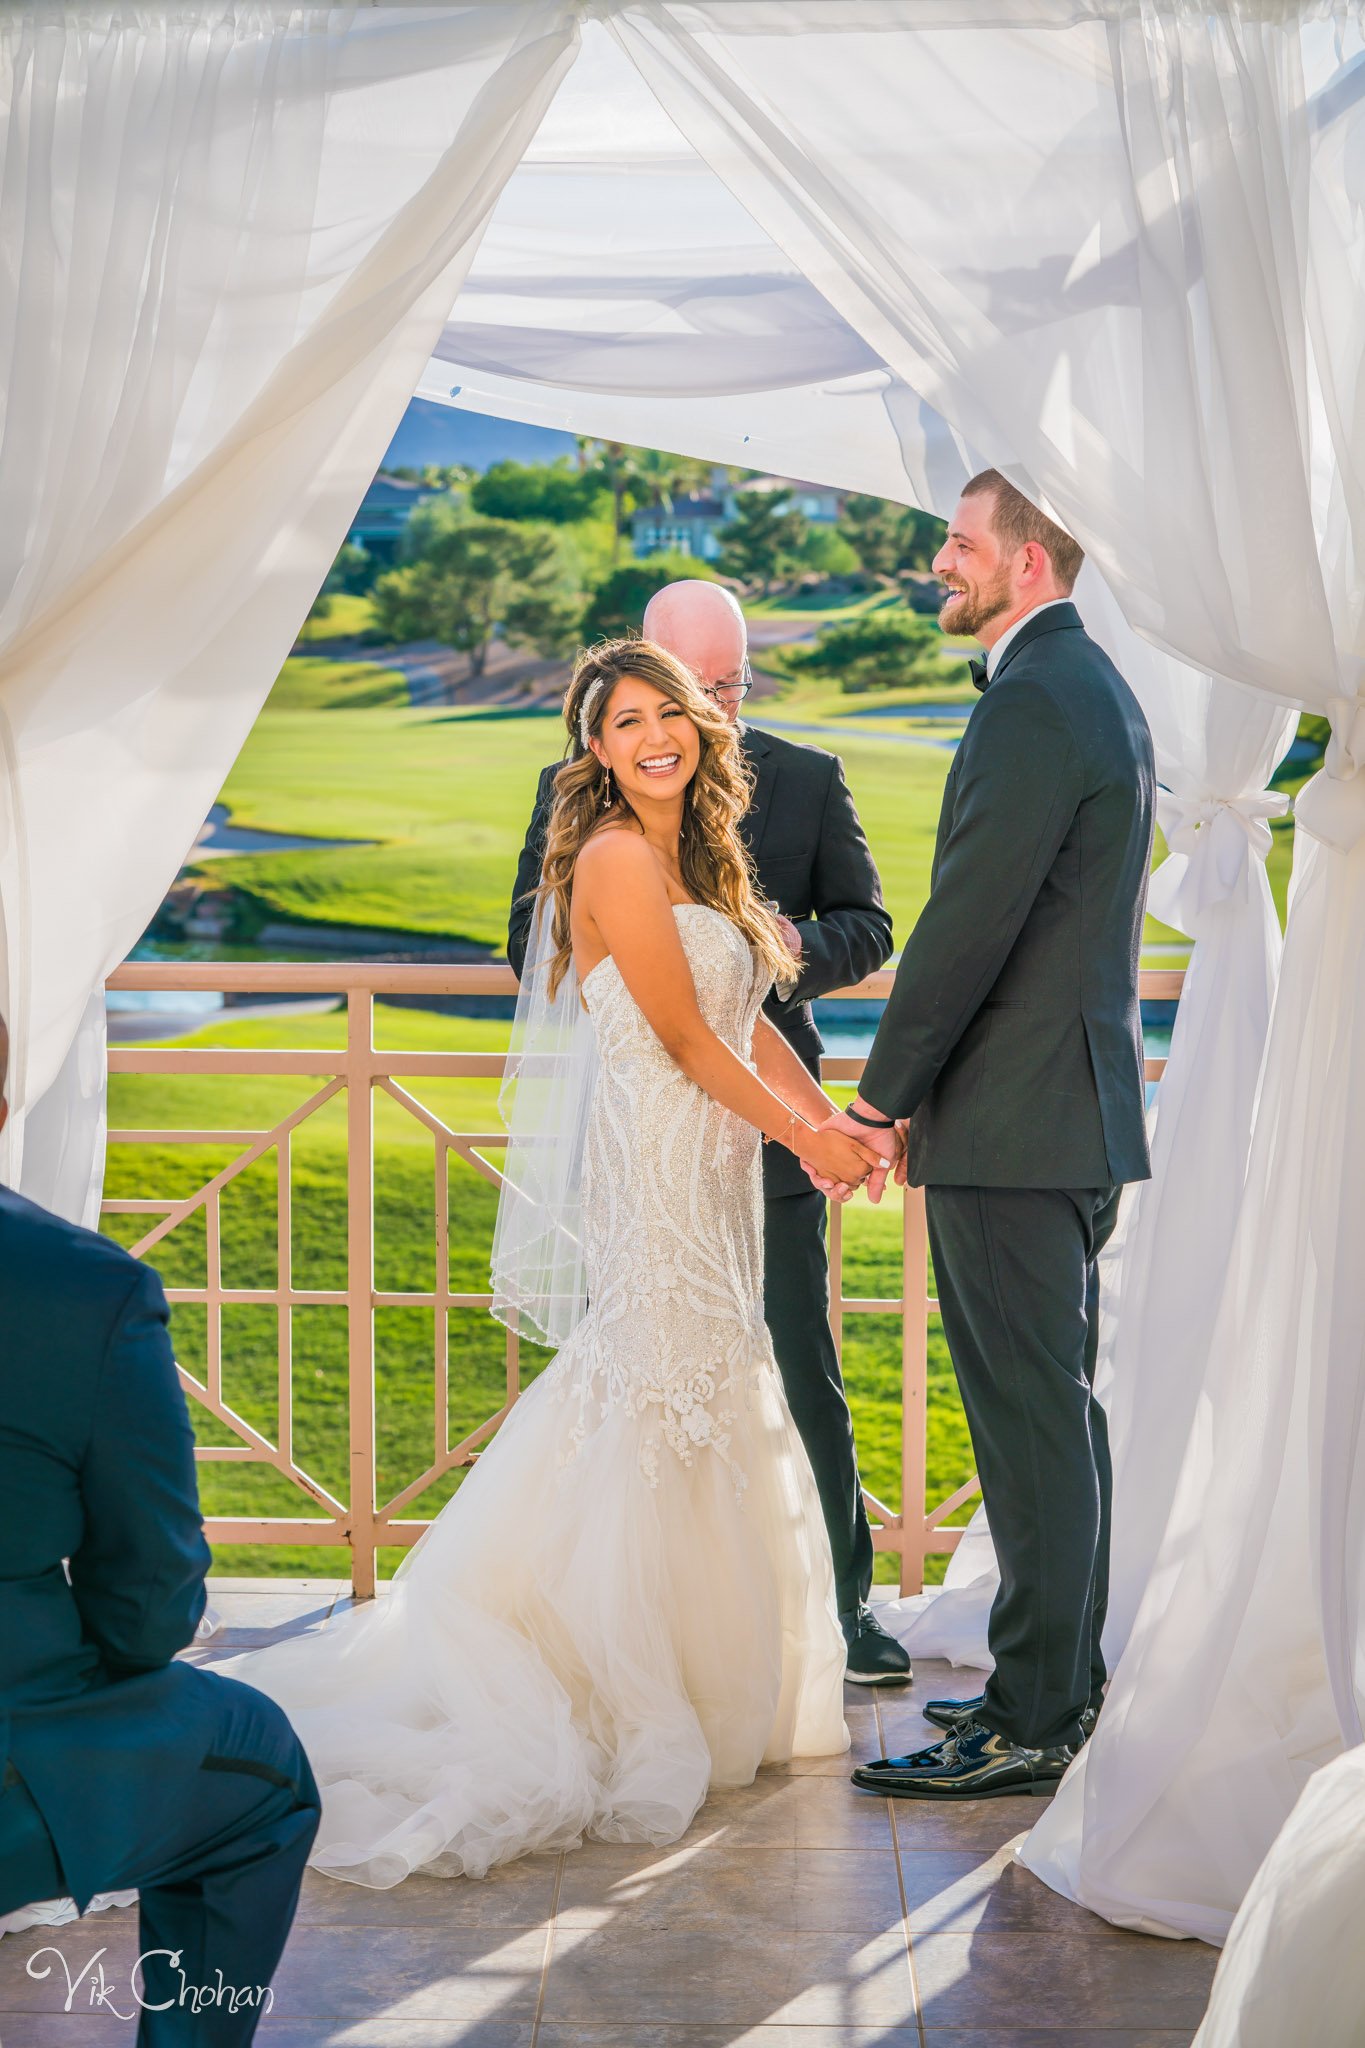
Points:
[(607, 798)]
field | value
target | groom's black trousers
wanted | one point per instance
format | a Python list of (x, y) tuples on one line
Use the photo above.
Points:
[(1019, 1292), (796, 1310)]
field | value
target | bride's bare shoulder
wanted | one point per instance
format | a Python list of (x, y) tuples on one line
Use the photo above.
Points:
[(617, 857)]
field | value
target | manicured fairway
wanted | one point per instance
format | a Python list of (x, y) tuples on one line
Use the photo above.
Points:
[(445, 794), (448, 794)]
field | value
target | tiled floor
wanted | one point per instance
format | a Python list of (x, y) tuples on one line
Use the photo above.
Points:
[(796, 1913)]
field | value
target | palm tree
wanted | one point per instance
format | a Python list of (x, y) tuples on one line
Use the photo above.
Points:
[(640, 476)]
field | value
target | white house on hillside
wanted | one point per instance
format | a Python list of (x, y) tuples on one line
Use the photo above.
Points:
[(693, 524)]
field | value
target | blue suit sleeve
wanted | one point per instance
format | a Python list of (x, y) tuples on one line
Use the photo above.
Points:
[(138, 1574)]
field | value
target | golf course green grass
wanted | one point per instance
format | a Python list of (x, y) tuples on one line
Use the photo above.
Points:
[(447, 793), (315, 683), (343, 616)]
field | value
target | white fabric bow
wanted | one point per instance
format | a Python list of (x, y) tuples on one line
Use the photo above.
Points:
[(1212, 840), (1331, 804)]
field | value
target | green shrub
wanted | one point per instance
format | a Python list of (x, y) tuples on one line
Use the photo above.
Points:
[(881, 650)]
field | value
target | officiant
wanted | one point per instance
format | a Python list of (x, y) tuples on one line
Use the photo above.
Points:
[(814, 865)]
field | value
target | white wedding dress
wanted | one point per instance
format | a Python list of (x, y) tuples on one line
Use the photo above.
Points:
[(631, 1597)]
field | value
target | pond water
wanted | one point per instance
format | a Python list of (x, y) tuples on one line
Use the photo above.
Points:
[(847, 1028)]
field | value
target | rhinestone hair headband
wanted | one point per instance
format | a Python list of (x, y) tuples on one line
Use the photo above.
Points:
[(594, 691)]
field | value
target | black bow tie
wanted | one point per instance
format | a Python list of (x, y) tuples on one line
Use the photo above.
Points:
[(976, 669)]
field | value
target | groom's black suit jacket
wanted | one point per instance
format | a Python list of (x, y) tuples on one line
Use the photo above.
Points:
[(96, 1468), (1012, 1037), (812, 859)]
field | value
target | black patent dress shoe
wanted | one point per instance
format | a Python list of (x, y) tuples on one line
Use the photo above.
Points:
[(874, 1657), (951, 1714), (972, 1763)]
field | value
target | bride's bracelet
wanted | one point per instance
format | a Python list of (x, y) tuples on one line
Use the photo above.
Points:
[(790, 1138)]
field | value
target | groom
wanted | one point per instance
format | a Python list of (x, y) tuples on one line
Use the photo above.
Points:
[(813, 862), (1011, 1053)]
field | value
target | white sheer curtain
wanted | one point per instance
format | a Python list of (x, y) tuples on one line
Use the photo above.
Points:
[(622, 290), (1123, 250), (1081, 234), (1216, 747), (229, 236), (1243, 1669), (1294, 1965)]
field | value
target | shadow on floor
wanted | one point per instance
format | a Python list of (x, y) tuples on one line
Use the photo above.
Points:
[(796, 1913)]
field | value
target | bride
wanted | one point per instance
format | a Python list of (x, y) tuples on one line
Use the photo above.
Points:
[(630, 1598)]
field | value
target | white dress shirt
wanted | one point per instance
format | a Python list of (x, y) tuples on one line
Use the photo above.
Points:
[(997, 653)]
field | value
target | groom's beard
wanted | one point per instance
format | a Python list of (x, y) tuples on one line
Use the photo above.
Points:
[(966, 612)]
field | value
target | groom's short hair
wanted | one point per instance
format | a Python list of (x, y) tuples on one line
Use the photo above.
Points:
[(1016, 521)]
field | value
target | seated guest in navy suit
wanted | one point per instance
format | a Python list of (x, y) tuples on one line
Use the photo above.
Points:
[(120, 1768)]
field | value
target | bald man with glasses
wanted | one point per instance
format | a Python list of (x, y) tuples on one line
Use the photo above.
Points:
[(814, 866)]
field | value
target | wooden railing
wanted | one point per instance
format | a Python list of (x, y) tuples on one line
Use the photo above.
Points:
[(362, 1523)]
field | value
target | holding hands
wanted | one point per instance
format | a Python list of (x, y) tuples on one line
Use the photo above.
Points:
[(858, 1148), (840, 1149)]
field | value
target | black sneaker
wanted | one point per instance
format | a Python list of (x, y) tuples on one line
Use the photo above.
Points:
[(874, 1657), (973, 1763), (952, 1714)]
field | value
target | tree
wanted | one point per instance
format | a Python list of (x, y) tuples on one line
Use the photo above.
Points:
[(882, 650), (923, 535), (353, 572), (350, 572), (437, 476), (552, 491), (871, 528), (429, 522), (661, 477), (887, 538), (824, 551), (480, 577), (763, 541), (638, 476), (617, 606)]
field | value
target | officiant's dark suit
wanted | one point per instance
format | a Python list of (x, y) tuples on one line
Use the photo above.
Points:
[(1013, 1042), (118, 1767), (813, 860)]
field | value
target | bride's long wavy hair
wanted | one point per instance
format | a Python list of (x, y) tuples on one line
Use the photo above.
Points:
[(716, 867)]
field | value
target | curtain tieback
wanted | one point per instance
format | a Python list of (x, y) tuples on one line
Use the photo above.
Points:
[(1212, 841), (1331, 804)]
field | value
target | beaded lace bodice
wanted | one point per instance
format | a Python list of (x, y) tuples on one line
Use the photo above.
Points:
[(672, 1207)]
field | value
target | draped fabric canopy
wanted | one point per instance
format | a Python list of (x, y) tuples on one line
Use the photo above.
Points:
[(622, 289), (228, 237), (1114, 247)]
